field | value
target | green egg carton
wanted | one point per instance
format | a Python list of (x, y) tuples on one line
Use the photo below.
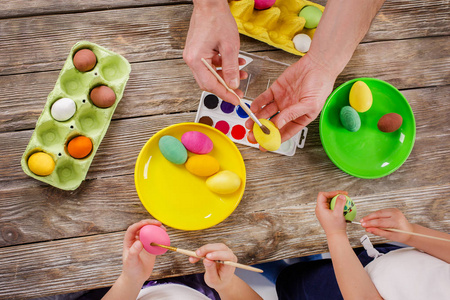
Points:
[(276, 25), (51, 136)]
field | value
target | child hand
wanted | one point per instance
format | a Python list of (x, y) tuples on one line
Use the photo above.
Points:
[(387, 218), (332, 221), (217, 276), (137, 263)]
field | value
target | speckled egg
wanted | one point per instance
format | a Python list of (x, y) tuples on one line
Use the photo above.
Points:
[(360, 96), (197, 142), (224, 182), (154, 234), (350, 119), (312, 16), (270, 142), (103, 96), (302, 42), (84, 60), (172, 149), (390, 122), (349, 208), (41, 164), (63, 109), (202, 165)]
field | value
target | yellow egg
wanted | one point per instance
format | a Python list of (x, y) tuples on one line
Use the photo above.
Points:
[(202, 165), (41, 164), (224, 182), (360, 97), (271, 141)]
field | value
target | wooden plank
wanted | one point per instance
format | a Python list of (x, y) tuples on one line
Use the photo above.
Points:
[(24, 8), (33, 211), (151, 33), (163, 87), (263, 235)]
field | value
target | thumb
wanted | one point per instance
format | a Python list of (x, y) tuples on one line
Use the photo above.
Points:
[(135, 250), (211, 272), (230, 68), (340, 204)]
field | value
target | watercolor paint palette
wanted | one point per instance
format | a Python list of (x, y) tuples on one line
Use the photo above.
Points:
[(230, 120)]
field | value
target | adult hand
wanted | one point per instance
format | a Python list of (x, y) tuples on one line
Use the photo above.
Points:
[(137, 262), (298, 95), (213, 31), (388, 218), (332, 221), (217, 276)]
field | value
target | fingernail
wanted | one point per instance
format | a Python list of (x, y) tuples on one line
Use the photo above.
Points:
[(198, 253), (234, 84), (342, 197), (363, 224), (208, 255)]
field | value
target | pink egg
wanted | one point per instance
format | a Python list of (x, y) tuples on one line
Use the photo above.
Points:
[(197, 142), (264, 4), (154, 234)]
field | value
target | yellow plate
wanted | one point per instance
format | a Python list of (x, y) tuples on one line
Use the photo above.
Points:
[(178, 198)]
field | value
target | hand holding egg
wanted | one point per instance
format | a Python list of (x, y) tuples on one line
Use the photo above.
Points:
[(137, 261)]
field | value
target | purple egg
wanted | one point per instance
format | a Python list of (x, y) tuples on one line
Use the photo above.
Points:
[(197, 142)]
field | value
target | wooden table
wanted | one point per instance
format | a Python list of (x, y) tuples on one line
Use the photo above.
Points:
[(54, 241)]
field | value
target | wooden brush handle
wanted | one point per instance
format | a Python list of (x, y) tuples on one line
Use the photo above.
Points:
[(225, 262)]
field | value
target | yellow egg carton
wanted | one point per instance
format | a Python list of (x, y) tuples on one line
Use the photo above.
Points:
[(52, 136), (276, 25)]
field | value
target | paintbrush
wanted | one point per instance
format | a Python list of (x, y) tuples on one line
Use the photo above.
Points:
[(225, 262), (241, 102), (406, 232)]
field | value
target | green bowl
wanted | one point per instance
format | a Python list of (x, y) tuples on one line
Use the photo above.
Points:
[(368, 153)]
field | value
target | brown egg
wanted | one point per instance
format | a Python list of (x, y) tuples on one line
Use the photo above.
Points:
[(84, 60), (103, 96), (390, 122)]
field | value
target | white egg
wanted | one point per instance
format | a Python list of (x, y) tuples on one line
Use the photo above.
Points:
[(302, 42), (63, 109)]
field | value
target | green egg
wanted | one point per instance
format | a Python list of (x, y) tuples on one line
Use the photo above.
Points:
[(312, 16), (172, 149), (350, 118), (349, 208)]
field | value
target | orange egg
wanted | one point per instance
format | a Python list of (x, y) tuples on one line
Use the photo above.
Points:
[(79, 147)]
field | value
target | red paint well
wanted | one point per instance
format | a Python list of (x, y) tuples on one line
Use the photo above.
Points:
[(223, 126), (238, 132)]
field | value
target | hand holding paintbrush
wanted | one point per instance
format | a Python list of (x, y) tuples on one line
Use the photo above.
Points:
[(241, 103)]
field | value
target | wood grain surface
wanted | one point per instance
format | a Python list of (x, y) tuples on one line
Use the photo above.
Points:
[(59, 241)]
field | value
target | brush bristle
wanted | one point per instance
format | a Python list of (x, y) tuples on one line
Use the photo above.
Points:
[(265, 129)]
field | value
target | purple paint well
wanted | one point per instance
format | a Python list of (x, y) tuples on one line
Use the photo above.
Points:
[(226, 107)]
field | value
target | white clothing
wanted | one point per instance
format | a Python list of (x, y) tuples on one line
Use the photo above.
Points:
[(170, 291), (408, 273)]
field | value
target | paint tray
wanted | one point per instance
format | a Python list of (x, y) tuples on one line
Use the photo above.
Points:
[(276, 25), (51, 136), (230, 119)]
